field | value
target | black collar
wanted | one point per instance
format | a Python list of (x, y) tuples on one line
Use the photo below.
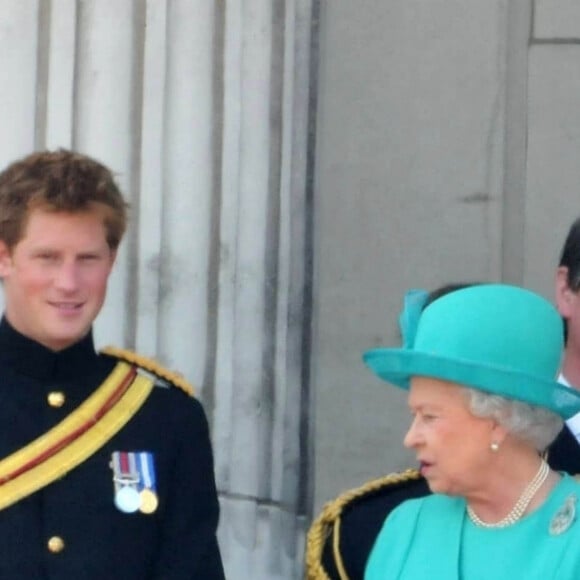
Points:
[(27, 357)]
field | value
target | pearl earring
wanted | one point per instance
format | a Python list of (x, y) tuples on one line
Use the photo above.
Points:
[(494, 447)]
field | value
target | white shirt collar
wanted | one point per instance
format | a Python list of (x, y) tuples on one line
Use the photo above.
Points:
[(573, 423)]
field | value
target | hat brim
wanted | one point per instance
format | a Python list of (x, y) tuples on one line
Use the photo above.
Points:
[(397, 366)]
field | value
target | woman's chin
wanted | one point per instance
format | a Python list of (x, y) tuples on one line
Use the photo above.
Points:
[(436, 485)]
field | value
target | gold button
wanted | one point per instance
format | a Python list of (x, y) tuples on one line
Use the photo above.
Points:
[(56, 399), (55, 544)]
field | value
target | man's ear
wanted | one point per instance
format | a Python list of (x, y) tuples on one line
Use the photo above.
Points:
[(5, 259), (565, 296)]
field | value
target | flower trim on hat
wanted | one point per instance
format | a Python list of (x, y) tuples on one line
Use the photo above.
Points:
[(413, 305)]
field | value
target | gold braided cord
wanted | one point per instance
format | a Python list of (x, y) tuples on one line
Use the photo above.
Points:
[(329, 520), (336, 551), (150, 365)]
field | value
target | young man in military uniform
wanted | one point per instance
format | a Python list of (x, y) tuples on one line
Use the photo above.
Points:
[(106, 468)]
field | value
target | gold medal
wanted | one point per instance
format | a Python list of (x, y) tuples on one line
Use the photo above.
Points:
[(149, 501)]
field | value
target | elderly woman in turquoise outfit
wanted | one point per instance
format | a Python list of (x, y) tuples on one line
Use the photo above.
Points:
[(480, 366)]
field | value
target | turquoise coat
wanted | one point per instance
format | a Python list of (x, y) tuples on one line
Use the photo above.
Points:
[(432, 537)]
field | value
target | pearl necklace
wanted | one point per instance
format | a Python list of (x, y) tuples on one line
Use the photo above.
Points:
[(521, 505)]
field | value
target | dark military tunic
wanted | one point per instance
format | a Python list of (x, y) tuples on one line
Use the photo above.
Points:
[(71, 529), (564, 453)]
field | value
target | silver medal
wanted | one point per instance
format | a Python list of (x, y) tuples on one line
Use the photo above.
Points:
[(125, 478), (127, 499)]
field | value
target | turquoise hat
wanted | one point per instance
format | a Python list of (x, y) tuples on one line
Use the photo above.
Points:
[(497, 338)]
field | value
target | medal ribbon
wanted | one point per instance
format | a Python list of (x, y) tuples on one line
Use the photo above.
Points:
[(147, 470), (124, 468)]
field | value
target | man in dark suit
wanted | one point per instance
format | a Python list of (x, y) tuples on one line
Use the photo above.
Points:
[(106, 468), (564, 453)]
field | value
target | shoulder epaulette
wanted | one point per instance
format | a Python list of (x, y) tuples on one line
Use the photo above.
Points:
[(328, 522), (151, 366)]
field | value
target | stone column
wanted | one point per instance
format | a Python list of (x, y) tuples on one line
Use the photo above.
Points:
[(201, 108)]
